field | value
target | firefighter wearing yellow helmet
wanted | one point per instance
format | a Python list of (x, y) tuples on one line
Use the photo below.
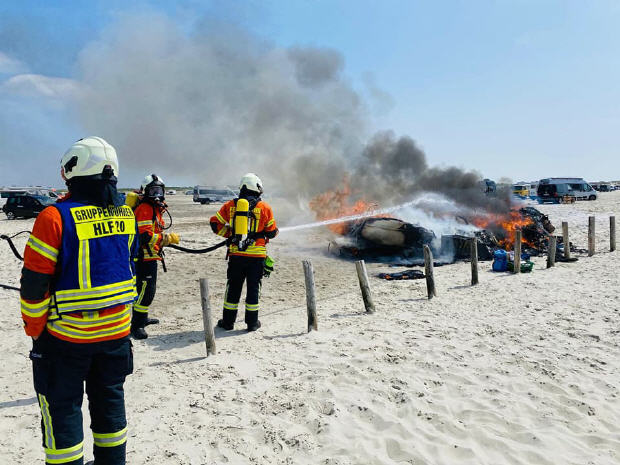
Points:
[(77, 288), (249, 224)]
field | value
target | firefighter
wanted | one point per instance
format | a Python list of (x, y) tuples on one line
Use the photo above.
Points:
[(246, 252), (149, 215), (77, 287)]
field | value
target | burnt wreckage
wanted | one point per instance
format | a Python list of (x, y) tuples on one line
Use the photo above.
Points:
[(392, 240)]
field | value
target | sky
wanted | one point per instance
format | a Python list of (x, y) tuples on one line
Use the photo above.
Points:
[(520, 89)]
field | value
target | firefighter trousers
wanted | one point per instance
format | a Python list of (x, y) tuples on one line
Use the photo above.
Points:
[(60, 370), (146, 285), (240, 269)]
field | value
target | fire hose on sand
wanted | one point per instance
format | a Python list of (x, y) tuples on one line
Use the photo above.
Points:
[(9, 240)]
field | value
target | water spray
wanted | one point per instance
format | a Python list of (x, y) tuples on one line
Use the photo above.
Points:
[(434, 198)]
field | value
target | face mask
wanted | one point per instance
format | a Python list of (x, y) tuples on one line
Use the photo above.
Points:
[(155, 192)]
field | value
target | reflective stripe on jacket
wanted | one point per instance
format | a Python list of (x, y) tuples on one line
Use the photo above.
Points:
[(151, 224), (96, 267), (45, 261)]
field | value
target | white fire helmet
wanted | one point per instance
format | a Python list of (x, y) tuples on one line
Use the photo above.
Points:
[(251, 182), (153, 187), (88, 157), (151, 178)]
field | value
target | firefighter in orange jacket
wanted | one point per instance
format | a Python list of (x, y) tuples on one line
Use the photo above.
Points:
[(149, 215), (77, 288), (246, 254)]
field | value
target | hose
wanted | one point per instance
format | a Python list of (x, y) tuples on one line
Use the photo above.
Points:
[(208, 249), (11, 288), (15, 252), (11, 245)]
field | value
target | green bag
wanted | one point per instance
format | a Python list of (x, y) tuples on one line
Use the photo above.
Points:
[(526, 267)]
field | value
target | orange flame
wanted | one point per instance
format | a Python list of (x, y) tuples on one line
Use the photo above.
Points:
[(336, 204), (508, 224)]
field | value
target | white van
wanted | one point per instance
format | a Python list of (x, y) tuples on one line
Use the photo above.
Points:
[(577, 187)]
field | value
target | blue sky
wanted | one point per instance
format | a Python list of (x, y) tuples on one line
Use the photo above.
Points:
[(524, 89)]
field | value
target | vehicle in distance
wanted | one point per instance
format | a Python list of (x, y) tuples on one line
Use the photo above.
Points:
[(553, 189), (205, 194), (26, 206)]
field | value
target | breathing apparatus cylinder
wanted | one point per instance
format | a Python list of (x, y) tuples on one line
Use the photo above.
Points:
[(242, 212), (132, 199)]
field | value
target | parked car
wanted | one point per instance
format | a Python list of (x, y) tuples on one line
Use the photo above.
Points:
[(7, 194), (204, 194), (171, 192), (26, 206)]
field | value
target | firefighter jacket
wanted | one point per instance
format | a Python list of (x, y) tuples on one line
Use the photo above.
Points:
[(78, 279), (150, 229), (261, 224)]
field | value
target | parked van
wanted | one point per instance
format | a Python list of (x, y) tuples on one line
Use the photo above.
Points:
[(553, 189), (521, 190), (205, 194)]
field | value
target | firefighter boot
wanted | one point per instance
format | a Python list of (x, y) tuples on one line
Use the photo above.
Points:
[(151, 321), (228, 320), (254, 326), (251, 319), (138, 322)]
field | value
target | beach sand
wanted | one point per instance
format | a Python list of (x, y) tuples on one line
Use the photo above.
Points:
[(521, 369)]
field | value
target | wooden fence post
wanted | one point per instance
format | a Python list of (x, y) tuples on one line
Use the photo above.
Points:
[(428, 271), (612, 233), (517, 260), (310, 296), (473, 251), (551, 251), (206, 317), (565, 240), (362, 276), (591, 235)]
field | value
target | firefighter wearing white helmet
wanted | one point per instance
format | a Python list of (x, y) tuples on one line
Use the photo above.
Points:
[(149, 214), (249, 224), (77, 289)]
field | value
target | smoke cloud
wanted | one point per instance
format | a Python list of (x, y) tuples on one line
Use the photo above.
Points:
[(210, 105), (219, 102)]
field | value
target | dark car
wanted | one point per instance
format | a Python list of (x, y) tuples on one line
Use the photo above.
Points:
[(26, 206)]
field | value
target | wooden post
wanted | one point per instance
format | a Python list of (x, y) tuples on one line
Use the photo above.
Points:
[(428, 271), (565, 240), (517, 261), (591, 235), (206, 316), (612, 233), (551, 251), (310, 296), (362, 275), (473, 251)]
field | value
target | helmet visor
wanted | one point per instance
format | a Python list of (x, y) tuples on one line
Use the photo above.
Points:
[(155, 192)]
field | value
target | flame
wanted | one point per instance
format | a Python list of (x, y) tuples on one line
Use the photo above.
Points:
[(505, 225), (337, 203)]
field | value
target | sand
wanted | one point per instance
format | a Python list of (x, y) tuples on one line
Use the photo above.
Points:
[(522, 369)]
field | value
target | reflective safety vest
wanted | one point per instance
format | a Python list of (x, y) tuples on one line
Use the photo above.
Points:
[(95, 268)]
